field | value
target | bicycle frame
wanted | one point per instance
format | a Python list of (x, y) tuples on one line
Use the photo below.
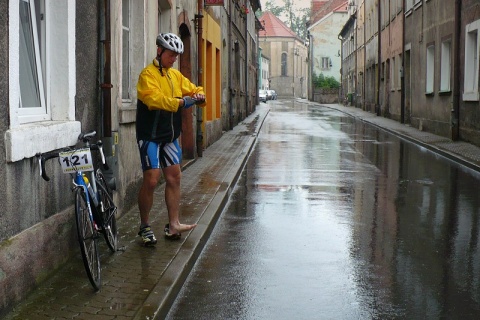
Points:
[(79, 182)]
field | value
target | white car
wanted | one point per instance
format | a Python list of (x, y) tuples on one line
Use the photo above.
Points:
[(262, 95), (271, 95)]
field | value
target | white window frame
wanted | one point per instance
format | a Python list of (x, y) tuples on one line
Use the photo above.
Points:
[(400, 71), (430, 69), (56, 127), (408, 5), (393, 77), (446, 66), (472, 49), (33, 110), (325, 63), (126, 54)]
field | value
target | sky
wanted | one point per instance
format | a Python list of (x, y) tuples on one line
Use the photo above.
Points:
[(299, 4)]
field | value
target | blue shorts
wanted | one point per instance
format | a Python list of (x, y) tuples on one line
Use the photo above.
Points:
[(156, 155)]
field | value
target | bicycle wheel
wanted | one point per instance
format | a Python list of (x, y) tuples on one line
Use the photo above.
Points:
[(87, 237), (108, 211)]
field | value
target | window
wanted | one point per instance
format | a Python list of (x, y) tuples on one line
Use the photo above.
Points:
[(392, 75), (430, 70), (445, 66), (126, 82), (471, 62), (325, 63), (41, 77), (32, 59), (408, 5), (284, 64), (399, 71)]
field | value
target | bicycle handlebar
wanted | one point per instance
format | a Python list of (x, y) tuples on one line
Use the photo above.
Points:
[(85, 138)]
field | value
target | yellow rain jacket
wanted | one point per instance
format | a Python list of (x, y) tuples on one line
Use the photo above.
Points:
[(159, 117)]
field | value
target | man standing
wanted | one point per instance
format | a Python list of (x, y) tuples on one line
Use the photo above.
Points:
[(162, 94)]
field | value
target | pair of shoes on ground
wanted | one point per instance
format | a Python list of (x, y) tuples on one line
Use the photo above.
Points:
[(149, 239)]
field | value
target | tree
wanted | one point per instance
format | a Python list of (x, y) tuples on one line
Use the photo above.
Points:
[(295, 19), (321, 81)]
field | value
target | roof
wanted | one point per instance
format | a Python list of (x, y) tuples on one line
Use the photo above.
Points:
[(320, 8), (274, 27), (343, 8)]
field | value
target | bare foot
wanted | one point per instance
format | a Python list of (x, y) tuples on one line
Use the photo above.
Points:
[(179, 228)]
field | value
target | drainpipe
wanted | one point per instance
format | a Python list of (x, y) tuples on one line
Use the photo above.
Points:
[(456, 72), (200, 77), (342, 71), (356, 57), (402, 79), (379, 53), (106, 85), (229, 70), (106, 97), (247, 96)]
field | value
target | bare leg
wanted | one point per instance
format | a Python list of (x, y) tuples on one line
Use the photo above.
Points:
[(173, 177), (145, 195)]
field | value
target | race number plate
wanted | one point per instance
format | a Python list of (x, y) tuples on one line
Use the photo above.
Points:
[(77, 160)]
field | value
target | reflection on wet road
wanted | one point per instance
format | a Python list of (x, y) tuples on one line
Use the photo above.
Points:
[(335, 219)]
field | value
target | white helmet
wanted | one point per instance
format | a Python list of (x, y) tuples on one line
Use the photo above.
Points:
[(170, 41)]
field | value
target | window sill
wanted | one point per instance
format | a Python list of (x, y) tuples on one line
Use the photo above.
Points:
[(470, 96), (445, 92), (429, 94), (127, 115), (28, 139)]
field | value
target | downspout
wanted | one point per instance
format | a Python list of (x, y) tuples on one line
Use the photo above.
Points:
[(110, 171), (379, 53), (342, 70), (247, 96), (229, 70), (106, 85), (456, 73), (402, 79), (364, 90), (356, 58), (200, 76)]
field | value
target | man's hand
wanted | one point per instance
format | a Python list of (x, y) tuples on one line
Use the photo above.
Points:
[(188, 102)]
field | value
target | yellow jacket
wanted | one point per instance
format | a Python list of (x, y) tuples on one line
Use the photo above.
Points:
[(159, 92)]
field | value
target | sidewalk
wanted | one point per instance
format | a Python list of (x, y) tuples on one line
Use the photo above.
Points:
[(142, 283), (458, 151)]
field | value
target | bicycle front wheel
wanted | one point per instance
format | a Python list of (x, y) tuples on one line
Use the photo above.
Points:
[(108, 211), (87, 237)]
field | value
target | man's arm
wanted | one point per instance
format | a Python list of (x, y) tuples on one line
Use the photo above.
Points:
[(151, 94)]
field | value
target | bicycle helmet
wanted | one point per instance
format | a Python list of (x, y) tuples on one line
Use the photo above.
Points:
[(170, 41)]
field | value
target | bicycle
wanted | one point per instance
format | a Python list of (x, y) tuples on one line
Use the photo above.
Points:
[(90, 187)]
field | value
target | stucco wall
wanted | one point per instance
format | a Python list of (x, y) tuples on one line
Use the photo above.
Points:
[(326, 44)]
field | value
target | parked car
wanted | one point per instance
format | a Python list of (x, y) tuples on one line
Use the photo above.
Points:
[(271, 95), (262, 95)]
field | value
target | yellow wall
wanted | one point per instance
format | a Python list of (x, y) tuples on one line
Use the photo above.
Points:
[(211, 67)]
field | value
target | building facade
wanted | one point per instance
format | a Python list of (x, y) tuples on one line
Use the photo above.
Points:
[(288, 56), (417, 63)]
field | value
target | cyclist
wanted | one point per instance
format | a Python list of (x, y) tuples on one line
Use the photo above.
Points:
[(162, 94)]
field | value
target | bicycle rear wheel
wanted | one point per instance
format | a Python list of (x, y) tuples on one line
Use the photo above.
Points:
[(108, 211), (87, 237)]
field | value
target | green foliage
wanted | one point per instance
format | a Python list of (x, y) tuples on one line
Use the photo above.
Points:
[(321, 81), (295, 19)]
